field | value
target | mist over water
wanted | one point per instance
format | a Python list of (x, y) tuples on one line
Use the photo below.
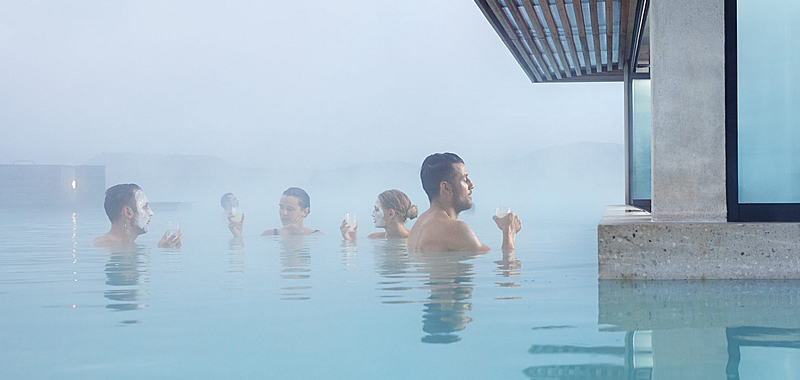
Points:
[(278, 86), (567, 183), (192, 100)]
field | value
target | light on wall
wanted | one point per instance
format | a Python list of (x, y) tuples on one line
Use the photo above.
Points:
[(73, 183)]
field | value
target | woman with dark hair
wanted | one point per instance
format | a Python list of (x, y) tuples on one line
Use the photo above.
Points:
[(295, 205), (391, 211)]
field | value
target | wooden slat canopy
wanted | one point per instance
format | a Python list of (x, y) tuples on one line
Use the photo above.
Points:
[(565, 40)]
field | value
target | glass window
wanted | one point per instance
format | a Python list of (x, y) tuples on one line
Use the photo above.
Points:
[(768, 101), (640, 140)]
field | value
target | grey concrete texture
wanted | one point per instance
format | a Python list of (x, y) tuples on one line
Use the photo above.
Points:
[(633, 246), (668, 305), (51, 186), (687, 46)]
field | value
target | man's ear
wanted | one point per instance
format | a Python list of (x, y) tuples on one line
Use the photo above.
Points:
[(444, 186), (127, 212), (306, 211)]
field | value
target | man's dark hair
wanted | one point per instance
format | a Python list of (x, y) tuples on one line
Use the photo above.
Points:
[(436, 168), (119, 196), (300, 194), (225, 200)]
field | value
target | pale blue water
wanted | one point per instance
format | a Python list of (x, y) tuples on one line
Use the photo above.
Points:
[(314, 307)]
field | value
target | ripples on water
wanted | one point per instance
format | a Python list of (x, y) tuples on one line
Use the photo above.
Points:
[(301, 307)]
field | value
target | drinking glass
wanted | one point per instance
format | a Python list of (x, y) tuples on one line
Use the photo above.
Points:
[(502, 211), (173, 227), (237, 214), (350, 221)]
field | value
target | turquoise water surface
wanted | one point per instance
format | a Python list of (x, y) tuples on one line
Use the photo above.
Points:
[(318, 307)]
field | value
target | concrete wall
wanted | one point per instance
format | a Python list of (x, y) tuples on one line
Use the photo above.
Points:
[(687, 47), (51, 186), (90, 185)]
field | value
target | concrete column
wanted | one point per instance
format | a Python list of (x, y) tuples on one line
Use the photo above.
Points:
[(687, 59)]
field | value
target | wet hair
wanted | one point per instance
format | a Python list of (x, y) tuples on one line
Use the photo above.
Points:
[(398, 201), (225, 200), (119, 196), (300, 194), (436, 168)]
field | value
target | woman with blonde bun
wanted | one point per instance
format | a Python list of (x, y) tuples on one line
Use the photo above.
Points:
[(392, 210)]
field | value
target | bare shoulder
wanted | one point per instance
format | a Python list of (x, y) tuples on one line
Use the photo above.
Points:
[(102, 241), (461, 237), (377, 235), (456, 231), (269, 232), (317, 232), (459, 228)]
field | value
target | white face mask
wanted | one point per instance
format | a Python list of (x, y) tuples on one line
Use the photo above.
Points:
[(143, 213), (377, 215)]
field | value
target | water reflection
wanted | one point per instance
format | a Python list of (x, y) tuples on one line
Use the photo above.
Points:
[(126, 269), (450, 281), (74, 247), (508, 267), (745, 329), (295, 259), (349, 253), (447, 276), (738, 329), (236, 255), (392, 264)]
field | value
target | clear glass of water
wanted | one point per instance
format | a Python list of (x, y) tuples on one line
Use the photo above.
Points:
[(502, 211), (351, 221), (173, 227), (236, 211)]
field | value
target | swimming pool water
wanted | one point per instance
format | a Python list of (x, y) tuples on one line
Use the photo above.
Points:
[(310, 307)]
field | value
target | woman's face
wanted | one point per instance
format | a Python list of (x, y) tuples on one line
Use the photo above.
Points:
[(378, 215), (290, 210)]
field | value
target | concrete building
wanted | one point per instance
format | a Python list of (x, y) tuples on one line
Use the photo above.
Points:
[(52, 186), (712, 125)]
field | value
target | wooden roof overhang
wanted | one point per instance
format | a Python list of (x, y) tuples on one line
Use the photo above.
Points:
[(566, 40)]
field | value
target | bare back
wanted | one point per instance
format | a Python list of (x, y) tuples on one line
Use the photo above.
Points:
[(436, 231)]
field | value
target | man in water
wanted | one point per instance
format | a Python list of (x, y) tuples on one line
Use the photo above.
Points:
[(228, 203), (129, 212), (445, 180)]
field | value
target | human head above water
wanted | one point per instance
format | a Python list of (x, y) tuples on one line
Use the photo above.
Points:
[(436, 168), (228, 200), (119, 196), (303, 200), (398, 201)]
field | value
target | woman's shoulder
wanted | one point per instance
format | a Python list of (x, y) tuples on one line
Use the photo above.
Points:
[(271, 232)]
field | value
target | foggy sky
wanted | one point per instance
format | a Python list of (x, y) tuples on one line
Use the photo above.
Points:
[(269, 83)]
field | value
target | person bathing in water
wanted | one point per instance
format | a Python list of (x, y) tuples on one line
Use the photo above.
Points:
[(392, 209), (449, 189), (129, 212), (295, 205)]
